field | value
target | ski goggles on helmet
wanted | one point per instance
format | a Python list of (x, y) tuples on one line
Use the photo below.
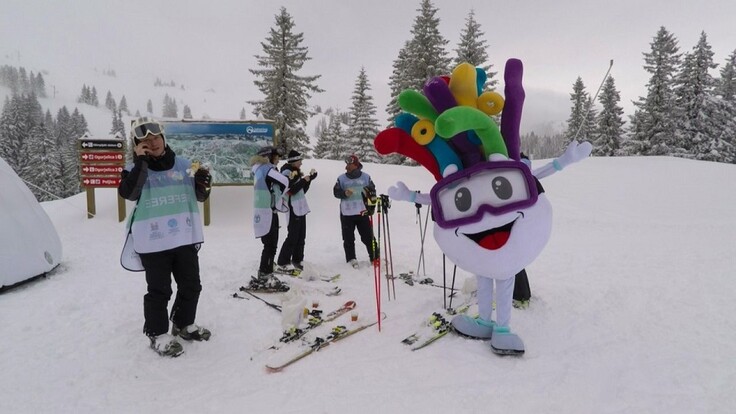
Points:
[(351, 159), (492, 187), (142, 130)]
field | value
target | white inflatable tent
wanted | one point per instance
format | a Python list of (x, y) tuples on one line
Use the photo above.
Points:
[(29, 244)]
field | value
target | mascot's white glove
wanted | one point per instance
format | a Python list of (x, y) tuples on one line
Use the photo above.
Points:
[(402, 193), (574, 153)]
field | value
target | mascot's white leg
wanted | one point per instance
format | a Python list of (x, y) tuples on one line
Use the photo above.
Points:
[(482, 326), (485, 298), (503, 341)]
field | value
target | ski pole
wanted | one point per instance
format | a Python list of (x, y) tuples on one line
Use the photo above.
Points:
[(444, 283), (422, 236), (452, 288), (387, 254), (376, 279), (277, 307), (580, 127)]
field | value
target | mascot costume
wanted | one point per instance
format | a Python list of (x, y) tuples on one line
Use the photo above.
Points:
[(491, 216)]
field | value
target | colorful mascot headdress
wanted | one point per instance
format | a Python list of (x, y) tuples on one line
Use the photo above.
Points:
[(449, 129)]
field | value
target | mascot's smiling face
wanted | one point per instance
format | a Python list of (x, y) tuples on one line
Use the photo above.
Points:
[(491, 219)]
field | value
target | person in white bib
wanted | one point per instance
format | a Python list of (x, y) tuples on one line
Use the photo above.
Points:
[(166, 229), (354, 189), (292, 250)]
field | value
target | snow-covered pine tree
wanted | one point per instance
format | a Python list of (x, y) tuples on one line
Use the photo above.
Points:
[(149, 107), (698, 131), (118, 128), (422, 58), (398, 81), (242, 114), (545, 146), (14, 127), (654, 121), (321, 126), (363, 125), (285, 91), (609, 132), (25, 85), (84, 95), (581, 123), (187, 112), (332, 143), (123, 106), (93, 100), (38, 86), (44, 164), (725, 92), (472, 48), (323, 147), (170, 109), (110, 102)]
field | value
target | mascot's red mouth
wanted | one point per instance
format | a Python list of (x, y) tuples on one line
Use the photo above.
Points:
[(492, 239)]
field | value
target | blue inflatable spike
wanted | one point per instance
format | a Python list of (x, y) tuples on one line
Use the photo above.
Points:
[(480, 79), (439, 148), (405, 121)]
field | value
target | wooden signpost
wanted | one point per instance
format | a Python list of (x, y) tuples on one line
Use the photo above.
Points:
[(100, 163)]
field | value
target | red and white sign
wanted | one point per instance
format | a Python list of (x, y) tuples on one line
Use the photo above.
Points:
[(102, 156), (92, 170), (100, 182)]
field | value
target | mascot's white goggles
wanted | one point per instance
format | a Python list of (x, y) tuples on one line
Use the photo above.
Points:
[(141, 131), (491, 187)]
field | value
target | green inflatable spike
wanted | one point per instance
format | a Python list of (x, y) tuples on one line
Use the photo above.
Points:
[(417, 104), (464, 118)]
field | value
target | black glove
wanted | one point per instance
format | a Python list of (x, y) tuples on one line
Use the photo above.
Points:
[(313, 175), (203, 178)]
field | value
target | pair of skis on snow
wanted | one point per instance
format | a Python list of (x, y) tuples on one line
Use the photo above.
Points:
[(337, 333)]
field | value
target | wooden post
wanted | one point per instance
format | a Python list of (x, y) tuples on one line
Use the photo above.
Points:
[(91, 208), (121, 209), (207, 212)]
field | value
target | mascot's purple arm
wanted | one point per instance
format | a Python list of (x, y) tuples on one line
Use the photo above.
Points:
[(511, 115)]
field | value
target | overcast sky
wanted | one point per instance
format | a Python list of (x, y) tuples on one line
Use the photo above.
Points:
[(213, 43)]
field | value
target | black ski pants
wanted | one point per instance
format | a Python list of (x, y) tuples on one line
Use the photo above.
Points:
[(270, 245), (292, 251), (363, 224), (522, 291), (183, 263)]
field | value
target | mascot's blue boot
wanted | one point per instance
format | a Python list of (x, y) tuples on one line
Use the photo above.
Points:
[(473, 327), (504, 342)]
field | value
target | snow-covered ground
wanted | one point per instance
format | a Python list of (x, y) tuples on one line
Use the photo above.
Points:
[(632, 310)]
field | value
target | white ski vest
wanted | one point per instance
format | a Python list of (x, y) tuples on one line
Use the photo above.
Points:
[(167, 215)]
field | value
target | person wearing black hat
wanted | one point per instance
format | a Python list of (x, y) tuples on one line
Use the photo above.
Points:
[(165, 235), (292, 251), (268, 199), (353, 189)]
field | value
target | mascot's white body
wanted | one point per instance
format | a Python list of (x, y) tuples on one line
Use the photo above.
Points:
[(530, 231), (491, 215)]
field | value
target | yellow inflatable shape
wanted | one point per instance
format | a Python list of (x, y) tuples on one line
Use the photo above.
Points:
[(423, 132), (463, 85), (491, 103)]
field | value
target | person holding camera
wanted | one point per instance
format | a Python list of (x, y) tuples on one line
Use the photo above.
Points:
[(357, 194), (292, 251), (166, 235)]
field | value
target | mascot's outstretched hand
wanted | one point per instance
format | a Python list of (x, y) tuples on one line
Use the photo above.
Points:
[(402, 193), (574, 152)]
